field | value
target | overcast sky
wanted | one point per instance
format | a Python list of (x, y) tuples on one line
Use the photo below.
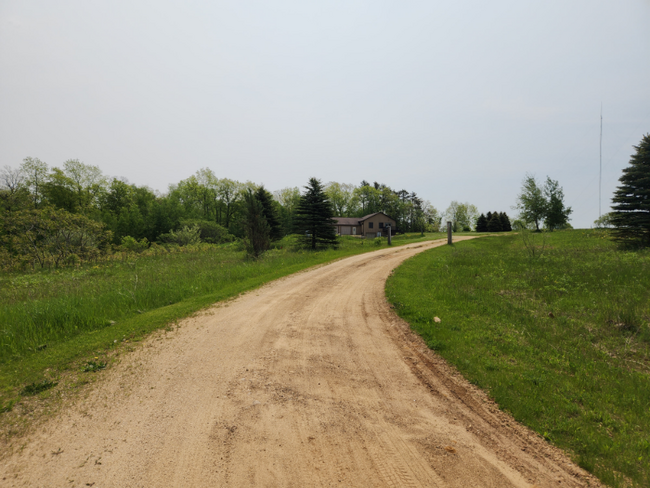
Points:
[(454, 100)]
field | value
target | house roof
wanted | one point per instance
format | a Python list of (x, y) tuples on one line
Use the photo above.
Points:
[(357, 221), (346, 220), (372, 215)]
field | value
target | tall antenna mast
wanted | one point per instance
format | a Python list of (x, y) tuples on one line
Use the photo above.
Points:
[(600, 177)]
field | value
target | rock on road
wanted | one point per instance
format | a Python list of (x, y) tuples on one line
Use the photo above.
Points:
[(308, 381)]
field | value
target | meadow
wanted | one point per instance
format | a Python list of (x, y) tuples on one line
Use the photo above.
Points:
[(555, 327), (70, 319)]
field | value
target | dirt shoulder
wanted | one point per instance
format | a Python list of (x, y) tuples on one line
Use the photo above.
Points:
[(308, 381)]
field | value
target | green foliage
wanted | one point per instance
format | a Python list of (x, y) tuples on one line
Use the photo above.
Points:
[(93, 366), (557, 215), (537, 204), (210, 232), (314, 217), (481, 224), (462, 215), (185, 236), (561, 341), (494, 224), (38, 387), (631, 215), (604, 221), (258, 230), (505, 222), (270, 212), (531, 202), (377, 241), (130, 244), (51, 237)]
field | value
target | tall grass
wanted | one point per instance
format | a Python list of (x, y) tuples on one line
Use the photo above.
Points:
[(559, 337), (50, 319)]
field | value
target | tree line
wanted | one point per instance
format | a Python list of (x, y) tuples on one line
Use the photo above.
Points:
[(75, 212)]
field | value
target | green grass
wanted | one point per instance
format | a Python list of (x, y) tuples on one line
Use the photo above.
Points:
[(62, 320), (561, 340)]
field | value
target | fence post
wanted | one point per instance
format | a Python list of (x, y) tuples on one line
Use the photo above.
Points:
[(390, 231), (449, 233)]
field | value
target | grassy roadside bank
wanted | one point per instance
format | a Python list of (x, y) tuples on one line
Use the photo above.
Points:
[(561, 340), (54, 322)]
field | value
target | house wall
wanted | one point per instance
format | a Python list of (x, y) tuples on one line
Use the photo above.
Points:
[(376, 220)]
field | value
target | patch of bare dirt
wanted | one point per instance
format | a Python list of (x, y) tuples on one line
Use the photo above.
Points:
[(308, 381)]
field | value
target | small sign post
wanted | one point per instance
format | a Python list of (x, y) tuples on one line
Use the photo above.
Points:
[(449, 233)]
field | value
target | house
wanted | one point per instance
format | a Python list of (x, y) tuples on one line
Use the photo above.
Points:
[(373, 225)]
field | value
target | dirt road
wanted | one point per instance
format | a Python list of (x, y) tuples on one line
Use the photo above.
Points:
[(308, 381)]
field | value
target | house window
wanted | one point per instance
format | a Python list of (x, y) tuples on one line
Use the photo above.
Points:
[(381, 225), (371, 225)]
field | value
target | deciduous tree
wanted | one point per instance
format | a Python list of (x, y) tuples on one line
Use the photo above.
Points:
[(531, 202)]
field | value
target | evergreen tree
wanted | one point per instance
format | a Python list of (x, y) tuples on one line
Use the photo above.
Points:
[(481, 223), (631, 215), (314, 217), (270, 212), (255, 224), (494, 224), (488, 217), (505, 222)]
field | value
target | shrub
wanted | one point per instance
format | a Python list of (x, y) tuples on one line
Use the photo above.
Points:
[(130, 244), (209, 231), (183, 237)]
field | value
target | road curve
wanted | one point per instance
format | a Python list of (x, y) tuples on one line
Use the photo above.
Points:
[(308, 381)]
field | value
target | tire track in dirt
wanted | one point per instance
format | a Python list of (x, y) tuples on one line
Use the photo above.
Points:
[(308, 381)]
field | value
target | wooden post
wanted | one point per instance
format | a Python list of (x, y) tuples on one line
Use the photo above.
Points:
[(389, 233), (449, 233)]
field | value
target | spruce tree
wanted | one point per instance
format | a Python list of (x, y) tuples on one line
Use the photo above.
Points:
[(481, 223), (505, 222), (489, 216), (631, 215), (270, 212), (314, 217), (494, 224)]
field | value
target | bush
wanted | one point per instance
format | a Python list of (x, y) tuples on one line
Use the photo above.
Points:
[(210, 232), (377, 241), (183, 237), (130, 244), (51, 237)]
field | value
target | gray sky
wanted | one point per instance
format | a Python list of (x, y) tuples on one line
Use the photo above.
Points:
[(453, 100)]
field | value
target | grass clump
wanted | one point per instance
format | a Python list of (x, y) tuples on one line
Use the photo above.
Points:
[(556, 328)]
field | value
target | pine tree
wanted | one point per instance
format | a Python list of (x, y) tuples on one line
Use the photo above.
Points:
[(256, 226), (489, 216), (631, 215), (314, 217), (494, 224), (505, 222), (481, 224), (270, 212)]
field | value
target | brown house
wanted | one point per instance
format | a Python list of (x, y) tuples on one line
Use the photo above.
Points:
[(373, 225)]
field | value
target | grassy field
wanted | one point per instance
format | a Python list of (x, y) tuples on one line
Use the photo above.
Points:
[(56, 321), (556, 327)]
